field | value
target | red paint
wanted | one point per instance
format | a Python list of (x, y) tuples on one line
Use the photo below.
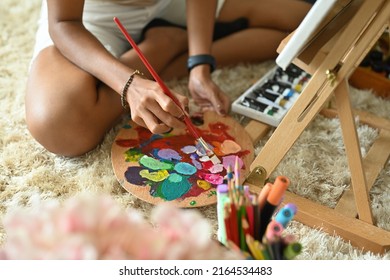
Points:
[(127, 143), (207, 164)]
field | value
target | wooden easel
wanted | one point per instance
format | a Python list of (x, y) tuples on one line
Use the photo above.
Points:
[(330, 58)]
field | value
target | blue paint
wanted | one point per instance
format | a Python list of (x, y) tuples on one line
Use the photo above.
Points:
[(174, 187), (185, 168)]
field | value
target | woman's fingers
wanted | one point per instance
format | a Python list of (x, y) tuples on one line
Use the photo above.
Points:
[(155, 110)]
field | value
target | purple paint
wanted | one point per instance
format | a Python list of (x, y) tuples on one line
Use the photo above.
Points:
[(189, 149), (169, 154), (133, 177), (197, 164)]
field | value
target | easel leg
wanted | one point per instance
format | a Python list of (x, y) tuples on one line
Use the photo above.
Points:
[(352, 148)]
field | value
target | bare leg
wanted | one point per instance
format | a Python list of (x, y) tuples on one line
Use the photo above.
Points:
[(162, 45), (68, 111), (269, 23)]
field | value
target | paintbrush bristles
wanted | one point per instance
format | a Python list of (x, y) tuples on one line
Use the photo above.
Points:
[(213, 157)]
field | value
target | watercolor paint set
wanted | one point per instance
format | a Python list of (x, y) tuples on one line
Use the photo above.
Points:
[(270, 98)]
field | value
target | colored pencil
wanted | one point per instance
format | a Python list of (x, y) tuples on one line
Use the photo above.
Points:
[(255, 250), (252, 230), (250, 218), (234, 224), (237, 173)]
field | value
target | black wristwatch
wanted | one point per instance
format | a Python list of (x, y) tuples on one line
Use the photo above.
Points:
[(199, 59)]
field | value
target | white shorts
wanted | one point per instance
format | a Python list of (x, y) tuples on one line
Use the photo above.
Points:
[(98, 19)]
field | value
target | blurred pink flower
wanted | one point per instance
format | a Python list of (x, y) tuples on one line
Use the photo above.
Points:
[(96, 227)]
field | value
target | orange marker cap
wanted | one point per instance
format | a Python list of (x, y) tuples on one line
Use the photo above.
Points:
[(278, 189)]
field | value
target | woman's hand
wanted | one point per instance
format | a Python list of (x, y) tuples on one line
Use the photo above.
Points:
[(151, 108), (206, 93)]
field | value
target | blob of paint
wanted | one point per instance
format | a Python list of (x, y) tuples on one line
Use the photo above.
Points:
[(185, 168), (230, 147), (133, 155), (174, 187), (189, 149), (214, 179), (157, 176), (168, 154), (155, 164), (203, 184)]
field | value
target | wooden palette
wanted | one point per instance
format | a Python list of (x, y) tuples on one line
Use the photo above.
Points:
[(191, 185)]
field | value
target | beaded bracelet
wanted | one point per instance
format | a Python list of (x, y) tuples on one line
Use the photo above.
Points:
[(124, 102)]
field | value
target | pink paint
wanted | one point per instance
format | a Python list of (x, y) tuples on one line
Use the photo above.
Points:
[(215, 179), (231, 161)]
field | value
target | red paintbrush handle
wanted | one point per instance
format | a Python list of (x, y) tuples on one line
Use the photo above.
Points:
[(157, 78), (146, 62)]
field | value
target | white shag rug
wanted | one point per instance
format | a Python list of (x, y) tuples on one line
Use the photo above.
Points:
[(316, 164)]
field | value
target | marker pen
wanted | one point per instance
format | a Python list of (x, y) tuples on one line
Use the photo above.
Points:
[(284, 216), (273, 200), (292, 250), (292, 206), (222, 199), (276, 248), (274, 231)]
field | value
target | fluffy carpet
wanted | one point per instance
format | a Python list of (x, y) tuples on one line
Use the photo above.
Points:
[(316, 164)]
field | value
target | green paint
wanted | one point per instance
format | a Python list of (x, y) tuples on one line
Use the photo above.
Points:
[(212, 193), (175, 178), (155, 164), (133, 155), (192, 203)]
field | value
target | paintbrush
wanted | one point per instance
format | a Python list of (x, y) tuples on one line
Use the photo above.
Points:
[(187, 120)]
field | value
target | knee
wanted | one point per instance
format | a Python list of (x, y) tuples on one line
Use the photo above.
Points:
[(60, 133)]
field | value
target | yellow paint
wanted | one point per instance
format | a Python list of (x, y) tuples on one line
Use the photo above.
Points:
[(157, 176), (203, 184)]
